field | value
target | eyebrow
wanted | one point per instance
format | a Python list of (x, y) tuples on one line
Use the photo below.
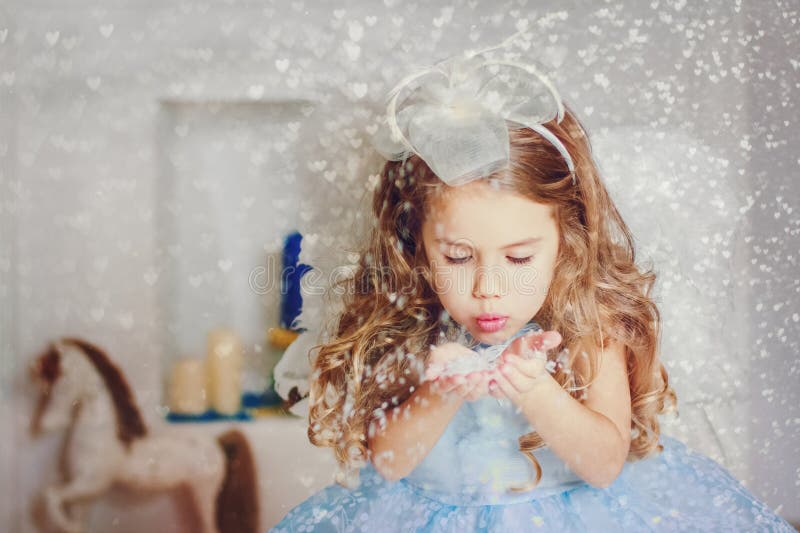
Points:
[(532, 240)]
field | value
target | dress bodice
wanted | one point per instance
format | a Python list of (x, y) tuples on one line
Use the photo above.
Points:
[(477, 458)]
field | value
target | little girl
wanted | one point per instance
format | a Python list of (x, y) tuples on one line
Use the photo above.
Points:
[(496, 364)]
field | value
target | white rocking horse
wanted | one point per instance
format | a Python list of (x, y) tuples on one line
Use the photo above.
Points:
[(108, 443)]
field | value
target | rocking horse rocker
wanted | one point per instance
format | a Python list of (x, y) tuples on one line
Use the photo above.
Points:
[(107, 443)]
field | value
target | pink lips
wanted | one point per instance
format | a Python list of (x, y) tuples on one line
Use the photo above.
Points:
[(491, 322)]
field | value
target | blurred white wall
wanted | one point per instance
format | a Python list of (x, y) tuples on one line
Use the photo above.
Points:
[(97, 99)]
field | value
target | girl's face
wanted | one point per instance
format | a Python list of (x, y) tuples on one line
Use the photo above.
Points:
[(491, 253)]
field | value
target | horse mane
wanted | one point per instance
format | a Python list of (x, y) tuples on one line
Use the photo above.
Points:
[(48, 365), (130, 425), (46, 370)]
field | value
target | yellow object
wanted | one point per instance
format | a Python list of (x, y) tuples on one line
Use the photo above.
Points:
[(281, 337), (224, 359), (187, 388)]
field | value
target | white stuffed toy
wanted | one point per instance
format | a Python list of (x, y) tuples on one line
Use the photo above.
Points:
[(293, 370)]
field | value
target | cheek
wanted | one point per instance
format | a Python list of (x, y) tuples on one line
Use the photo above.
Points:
[(528, 278), (546, 276), (445, 278), (548, 258), (450, 285), (438, 279), (532, 281)]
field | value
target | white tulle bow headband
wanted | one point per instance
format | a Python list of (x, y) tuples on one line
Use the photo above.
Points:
[(455, 119)]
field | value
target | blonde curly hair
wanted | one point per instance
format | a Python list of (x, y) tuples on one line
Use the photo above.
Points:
[(391, 315)]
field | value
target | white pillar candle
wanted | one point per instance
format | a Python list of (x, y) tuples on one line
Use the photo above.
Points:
[(187, 389), (224, 360)]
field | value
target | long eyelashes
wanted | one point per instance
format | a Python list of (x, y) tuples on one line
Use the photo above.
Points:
[(462, 260)]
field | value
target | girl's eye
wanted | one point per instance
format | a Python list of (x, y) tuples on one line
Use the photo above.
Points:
[(457, 260), (515, 260)]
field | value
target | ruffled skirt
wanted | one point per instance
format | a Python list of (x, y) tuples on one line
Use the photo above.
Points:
[(676, 490)]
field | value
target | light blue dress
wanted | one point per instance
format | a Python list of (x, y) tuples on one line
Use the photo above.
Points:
[(461, 485)]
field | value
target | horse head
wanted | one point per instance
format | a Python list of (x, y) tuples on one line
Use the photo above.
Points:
[(64, 378)]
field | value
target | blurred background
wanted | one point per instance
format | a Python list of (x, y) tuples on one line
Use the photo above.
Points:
[(154, 156)]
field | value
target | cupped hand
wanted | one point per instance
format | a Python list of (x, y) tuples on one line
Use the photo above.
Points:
[(443, 354), (522, 365), (470, 386)]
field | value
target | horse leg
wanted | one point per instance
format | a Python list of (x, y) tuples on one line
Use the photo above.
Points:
[(77, 490), (79, 510), (54, 502), (204, 493)]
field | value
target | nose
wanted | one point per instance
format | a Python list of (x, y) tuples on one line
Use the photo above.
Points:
[(489, 282)]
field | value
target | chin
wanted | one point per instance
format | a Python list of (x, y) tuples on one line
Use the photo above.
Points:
[(495, 337)]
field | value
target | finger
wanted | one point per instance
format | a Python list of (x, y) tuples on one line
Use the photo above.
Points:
[(482, 384), (475, 394), (464, 390), (432, 372), (544, 340), (451, 383), (487, 376), (494, 389), (530, 368), (551, 339), (538, 354), (518, 347), (443, 385), (523, 352), (455, 382), (473, 386), (505, 386), (437, 386), (526, 347), (451, 392), (517, 379), (472, 393), (475, 378)]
